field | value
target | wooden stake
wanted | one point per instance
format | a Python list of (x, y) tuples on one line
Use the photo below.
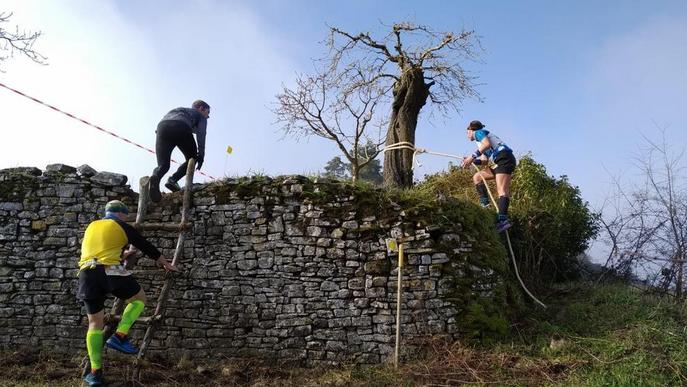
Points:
[(398, 304)]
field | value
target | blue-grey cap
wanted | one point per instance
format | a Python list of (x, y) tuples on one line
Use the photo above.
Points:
[(116, 206)]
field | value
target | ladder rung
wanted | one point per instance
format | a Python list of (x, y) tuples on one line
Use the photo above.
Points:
[(150, 318)]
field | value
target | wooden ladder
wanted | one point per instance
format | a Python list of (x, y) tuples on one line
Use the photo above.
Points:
[(153, 321)]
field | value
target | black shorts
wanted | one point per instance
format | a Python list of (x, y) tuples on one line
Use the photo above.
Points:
[(505, 163), (95, 285)]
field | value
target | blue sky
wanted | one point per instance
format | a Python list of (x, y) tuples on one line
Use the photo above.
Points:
[(574, 82)]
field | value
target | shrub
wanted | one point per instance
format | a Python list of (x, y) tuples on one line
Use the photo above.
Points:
[(552, 224)]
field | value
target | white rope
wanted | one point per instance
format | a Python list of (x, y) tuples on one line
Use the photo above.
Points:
[(510, 246), (416, 151)]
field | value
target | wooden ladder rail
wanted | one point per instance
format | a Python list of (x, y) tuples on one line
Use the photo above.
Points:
[(158, 314)]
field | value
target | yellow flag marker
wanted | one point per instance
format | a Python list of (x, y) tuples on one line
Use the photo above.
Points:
[(391, 244)]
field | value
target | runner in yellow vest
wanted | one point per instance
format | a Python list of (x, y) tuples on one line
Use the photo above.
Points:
[(102, 272)]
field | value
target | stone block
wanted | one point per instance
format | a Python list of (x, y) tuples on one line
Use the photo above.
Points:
[(86, 170), (109, 179), (382, 267), (61, 168)]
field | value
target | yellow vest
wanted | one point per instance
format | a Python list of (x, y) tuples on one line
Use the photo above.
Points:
[(104, 242)]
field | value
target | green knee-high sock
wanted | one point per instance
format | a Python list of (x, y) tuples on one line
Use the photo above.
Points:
[(131, 313), (94, 344)]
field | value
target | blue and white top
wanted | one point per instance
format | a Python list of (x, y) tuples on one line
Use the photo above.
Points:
[(496, 144)]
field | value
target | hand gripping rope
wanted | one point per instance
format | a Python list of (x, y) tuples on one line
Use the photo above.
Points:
[(91, 125), (416, 151)]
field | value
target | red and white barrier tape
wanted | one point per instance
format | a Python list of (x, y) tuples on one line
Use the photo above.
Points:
[(90, 124)]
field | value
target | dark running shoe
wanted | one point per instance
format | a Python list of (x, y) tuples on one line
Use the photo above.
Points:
[(121, 344), (155, 194), (94, 378), (172, 185), (503, 225)]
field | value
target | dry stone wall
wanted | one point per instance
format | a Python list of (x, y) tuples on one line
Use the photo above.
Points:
[(286, 268)]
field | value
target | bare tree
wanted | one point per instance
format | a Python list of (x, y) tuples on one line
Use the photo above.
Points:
[(412, 63), (18, 42), (646, 226), (339, 105)]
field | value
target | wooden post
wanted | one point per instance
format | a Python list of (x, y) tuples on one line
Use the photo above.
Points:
[(169, 277), (143, 199), (399, 297)]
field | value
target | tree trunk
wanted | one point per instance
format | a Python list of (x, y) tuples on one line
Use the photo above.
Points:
[(355, 171), (410, 95)]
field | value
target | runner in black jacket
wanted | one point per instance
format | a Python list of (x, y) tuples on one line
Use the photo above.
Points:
[(176, 129)]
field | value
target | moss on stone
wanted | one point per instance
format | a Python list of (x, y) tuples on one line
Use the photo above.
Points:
[(16, 186), (242, 187), (481, 259), (378, 267)]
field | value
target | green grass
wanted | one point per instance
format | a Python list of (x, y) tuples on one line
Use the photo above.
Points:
[(607, 335), (620, 337)]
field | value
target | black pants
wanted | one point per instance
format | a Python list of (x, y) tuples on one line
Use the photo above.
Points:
[(172, 134)]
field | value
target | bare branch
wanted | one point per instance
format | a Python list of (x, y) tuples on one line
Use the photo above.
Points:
[(21, 42), (337, 106), (365, 39), (428, 53), (439, 60), (649, 223)]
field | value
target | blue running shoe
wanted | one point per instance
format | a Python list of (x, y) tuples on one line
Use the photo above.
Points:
[(121, 344), (94, 379), (502, 225)]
